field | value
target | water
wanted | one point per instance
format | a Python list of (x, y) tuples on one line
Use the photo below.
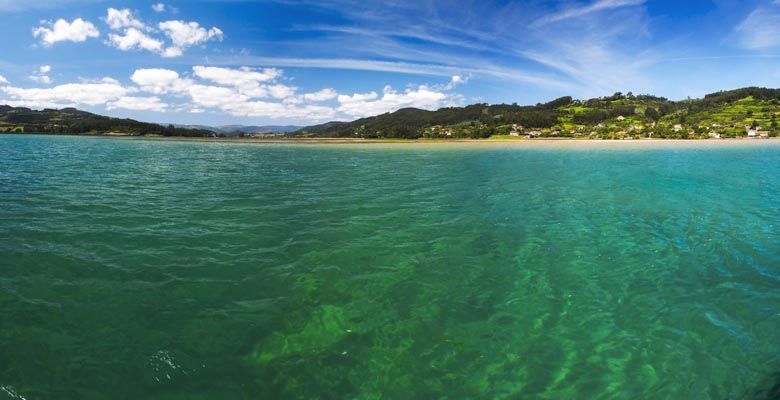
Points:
[(167, 270)]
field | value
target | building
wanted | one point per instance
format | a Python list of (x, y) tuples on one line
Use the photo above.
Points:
[(533, 134)]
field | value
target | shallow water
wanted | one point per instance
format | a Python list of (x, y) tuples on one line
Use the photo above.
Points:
[(168, 270)]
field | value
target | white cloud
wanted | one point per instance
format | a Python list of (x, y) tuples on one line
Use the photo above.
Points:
[(244, 92), (159, 7), (186, 34), (160, 81), (62, 30), (121, 19), (71, 94), (368, 104), (138, 103), (243, 76), (323, 95), (279, 91), (404, 68), (41, 76), (579, 11), (135, 39), (3, 80), (236, 91), (761, 28), (172, 52), (250, 82), (216, 96)]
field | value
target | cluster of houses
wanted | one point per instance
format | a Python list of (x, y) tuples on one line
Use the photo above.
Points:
[(756, 132), (752, 132), (517, 130)]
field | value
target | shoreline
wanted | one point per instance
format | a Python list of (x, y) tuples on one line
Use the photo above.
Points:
[(568, 142)]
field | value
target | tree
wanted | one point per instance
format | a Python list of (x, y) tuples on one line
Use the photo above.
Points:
[(652, 114)]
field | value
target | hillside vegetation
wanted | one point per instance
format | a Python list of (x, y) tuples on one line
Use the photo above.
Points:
[(736, 113), (72, 121)]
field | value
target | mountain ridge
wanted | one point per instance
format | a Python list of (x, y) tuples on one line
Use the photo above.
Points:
[(751, 111)]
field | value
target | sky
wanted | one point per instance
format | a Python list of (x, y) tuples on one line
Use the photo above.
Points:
[(302, 62)]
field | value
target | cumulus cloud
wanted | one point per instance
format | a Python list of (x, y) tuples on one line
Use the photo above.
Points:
[(247, 81), (239, 77), (62, 31), (323, 95), (244, 92), (41, 75), (68, 95), (3, 80), (138, 103), (121, 19), (367, 104), (238, 92), (130, 33), (135, 39), (160, 81), (187, 34)]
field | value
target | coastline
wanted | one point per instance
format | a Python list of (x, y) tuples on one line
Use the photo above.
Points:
[(539, 142), (479, 143)]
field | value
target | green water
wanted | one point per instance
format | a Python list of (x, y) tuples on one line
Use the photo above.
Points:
[(166, 270)]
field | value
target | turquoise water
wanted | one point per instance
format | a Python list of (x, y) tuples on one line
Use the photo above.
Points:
[(166, 270)]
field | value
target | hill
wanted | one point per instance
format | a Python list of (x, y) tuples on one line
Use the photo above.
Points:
[(234, 130), (73, 121), (743, 112)]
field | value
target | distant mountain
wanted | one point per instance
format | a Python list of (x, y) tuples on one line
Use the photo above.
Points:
[(259, 129), (230, 130), (736, 113), (73, 121)]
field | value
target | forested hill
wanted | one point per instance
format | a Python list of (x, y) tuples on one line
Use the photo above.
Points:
[(735, 113), (73, 121)]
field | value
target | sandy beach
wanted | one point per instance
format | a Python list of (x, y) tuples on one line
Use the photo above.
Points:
[(504, 143)]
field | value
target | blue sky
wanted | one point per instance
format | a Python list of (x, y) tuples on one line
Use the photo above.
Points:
[(303, 62)]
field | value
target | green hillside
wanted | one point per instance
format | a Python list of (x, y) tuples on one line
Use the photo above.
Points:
[(735, 113), (72, 121)]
